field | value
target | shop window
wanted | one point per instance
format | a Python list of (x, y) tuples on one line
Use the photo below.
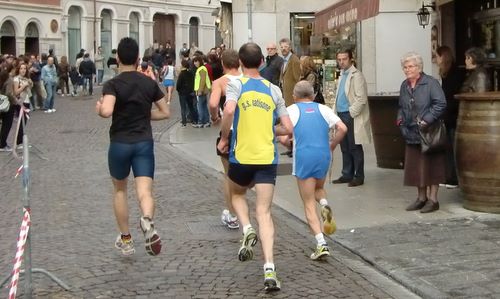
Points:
[(301, 32)]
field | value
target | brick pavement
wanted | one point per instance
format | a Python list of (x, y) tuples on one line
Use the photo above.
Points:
[(74, 229)]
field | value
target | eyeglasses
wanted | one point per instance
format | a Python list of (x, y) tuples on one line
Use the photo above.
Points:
[(407, 67), (270, 48)]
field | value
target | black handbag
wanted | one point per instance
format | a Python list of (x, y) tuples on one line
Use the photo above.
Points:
[(433, 137)]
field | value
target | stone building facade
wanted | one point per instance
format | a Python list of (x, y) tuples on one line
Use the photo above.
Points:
[(35, 26)]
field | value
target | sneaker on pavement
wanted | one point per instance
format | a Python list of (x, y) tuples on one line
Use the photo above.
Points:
[(329, 225), (271, 282), (207, 125), (126, 246), (6, 149), (152, 239), (249, 240), (229, 220), (321, 252)]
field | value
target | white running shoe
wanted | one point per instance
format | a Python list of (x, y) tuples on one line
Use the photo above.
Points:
[(153, 241), (229, 220), (126, 246)]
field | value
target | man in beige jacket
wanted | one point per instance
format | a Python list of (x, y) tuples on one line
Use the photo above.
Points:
[(351, 105), (290, 72)]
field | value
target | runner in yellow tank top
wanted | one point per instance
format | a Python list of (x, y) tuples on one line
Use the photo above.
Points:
[(252, 106)]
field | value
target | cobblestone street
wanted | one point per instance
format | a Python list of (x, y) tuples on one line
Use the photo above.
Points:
[(73, 227)]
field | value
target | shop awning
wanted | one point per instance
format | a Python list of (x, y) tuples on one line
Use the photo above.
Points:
[(343, 13)]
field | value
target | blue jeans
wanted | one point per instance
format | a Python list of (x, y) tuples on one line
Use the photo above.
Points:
[(100, 75), (51, 91), (203, 116), (88, 78)]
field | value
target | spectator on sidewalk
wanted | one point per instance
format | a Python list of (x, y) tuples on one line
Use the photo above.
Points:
[(7, 89), (451, 79), (63, 73), (311, 158), (49, 77), (290, 71), (38, 91), (351, 105), (202, 85), (128, 99), (99, 65), (185, 89), (76, 80), (253, 105), (421, 103), (113, 63), (87, 71), (273, 66)]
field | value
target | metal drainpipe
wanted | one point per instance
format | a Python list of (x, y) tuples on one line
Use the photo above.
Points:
[(249, 8), (95, 22)]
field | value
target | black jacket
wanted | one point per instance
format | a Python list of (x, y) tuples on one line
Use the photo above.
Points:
[(87, 67), (185, 83), (451, 84), (273, 69)]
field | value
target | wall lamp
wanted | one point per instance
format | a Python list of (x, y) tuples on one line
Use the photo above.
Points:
[(423, 14)]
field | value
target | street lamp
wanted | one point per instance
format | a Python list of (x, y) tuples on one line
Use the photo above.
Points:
[(423, 14)]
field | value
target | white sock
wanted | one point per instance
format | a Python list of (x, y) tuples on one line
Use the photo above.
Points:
[(246, 227), (231, 216), (320, 239), (269, 266), (323, 202)]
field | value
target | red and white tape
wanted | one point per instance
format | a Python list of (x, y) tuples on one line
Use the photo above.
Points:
[(21, 241)]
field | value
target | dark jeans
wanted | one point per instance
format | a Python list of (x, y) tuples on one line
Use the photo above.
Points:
[(64, 82), (187, 107), (7, 121), (451, 166), (353, 161)]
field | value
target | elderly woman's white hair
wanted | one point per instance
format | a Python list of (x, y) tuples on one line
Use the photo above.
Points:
[(413, 57), (303, 90)]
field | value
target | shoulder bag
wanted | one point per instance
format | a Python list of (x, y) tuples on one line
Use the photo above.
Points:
[(4, 103), (433, 137)]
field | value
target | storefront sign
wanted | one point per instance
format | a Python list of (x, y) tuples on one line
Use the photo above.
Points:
[(343, 13)]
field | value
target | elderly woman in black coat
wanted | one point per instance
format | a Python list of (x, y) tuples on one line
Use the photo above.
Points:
[(421, 103)]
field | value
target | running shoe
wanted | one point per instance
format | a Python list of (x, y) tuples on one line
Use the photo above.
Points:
[(271, 282), (229, 220), (322, 251), (329, 225), (152, 239), (126, 246), (249, 240)]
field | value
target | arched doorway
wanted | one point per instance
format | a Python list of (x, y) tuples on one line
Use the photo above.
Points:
[(31, 42), (134, 27), (74, 33), (193, 31), (164, 29), (8, 38), (106, 23)]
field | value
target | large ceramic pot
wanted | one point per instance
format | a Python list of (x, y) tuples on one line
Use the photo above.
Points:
[(389, 144), (477, 147)]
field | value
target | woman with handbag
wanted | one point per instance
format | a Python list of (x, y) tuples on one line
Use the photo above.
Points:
[(421, 105), (7, 117)]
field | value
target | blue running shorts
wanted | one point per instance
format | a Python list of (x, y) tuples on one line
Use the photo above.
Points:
[(138, 156)]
